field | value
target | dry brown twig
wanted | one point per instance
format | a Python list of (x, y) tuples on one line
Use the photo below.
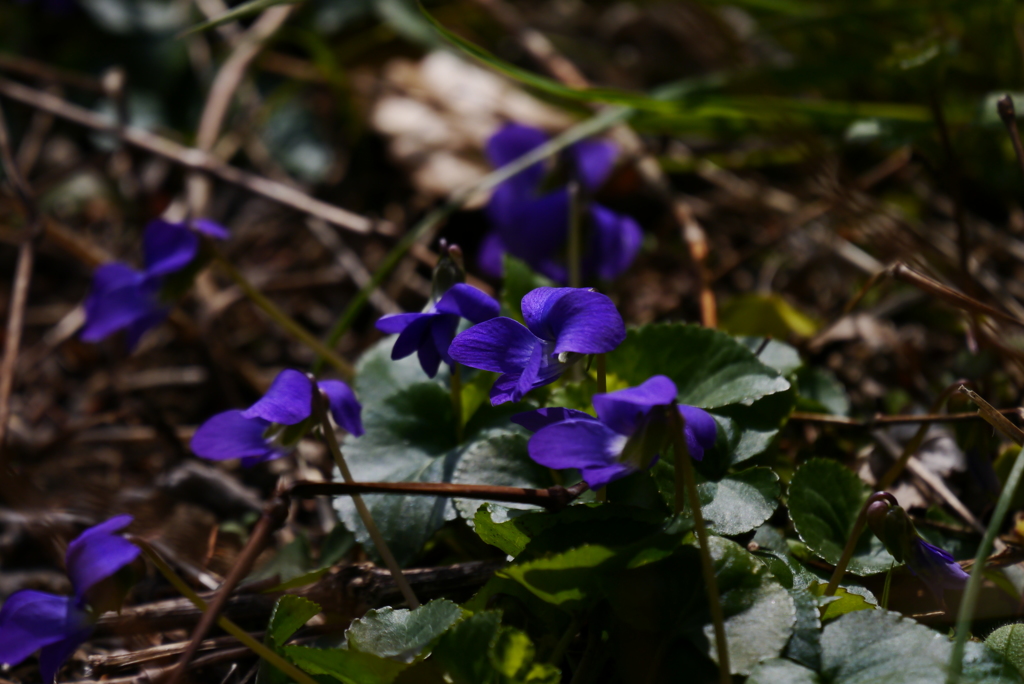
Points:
[(195, 159), (222, 91), (22, 276)]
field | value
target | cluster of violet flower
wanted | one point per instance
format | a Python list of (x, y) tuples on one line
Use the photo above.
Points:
[(55, 626), (562, 325), (123, 298), (533, 224), (891, 524)]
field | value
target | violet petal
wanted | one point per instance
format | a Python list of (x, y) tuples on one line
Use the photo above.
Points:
[(624, 410), (345, 408), (230, 435), (595, 160), (98, 553), (468, 302), (168, 247), (288, 401), (541, 418), (31, 620)]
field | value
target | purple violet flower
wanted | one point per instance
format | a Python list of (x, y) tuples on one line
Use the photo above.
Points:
[(891, 524), (628, 434), (125, 299), (535, 227), (935, 567), (54, 625), (255, 435), (430, 333), (560, 322)]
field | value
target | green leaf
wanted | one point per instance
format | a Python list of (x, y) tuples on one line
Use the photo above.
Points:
[(519, 280), (779, 671), (759, 613), (820, 391), (824, 501), (738, 503), (881, 646), (606, 523), (479, 649), (1008, 641), (778, 355), (499, 533), (290, 613), (500, 460), (567, 580), (512, 655), (715, 370), (410, 437), (745, 432), (669, 595), (840, 604), (765, 314), (239, 12), (401, 634), (350, 667), (805, 644)]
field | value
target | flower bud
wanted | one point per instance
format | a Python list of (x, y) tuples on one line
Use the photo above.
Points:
[(449, 270)]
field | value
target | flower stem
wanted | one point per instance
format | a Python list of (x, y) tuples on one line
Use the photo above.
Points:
[(575, 239), (684, 472), (282, 319), (851, 543), (970, 597), (227, 625), (602, 375), (455, 386), (320, 406)]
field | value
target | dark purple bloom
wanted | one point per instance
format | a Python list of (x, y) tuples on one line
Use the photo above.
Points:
[(33, 621), (254, 435), (627, 435), (429, 334), (560, 321), (125, 299), (55, 626), (935, 567), (98, 553), (891, 524), (534, 226)]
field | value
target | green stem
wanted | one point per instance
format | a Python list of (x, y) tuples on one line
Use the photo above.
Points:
[(851, 542), (455, 386), (282, 319), (320, 406), (563, 642), (689, 482), (575, 239), (602, 375), (970, 597), (422, 230), (227, 625), (915, 443)]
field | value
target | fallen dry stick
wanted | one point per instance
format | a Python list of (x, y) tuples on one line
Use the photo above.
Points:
[(192, 158)]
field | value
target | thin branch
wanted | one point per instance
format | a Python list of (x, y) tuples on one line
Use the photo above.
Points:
[(320, 403), (22, 276), (222, 91), (272, 519), (879, 419), (191, 158), (553, 498), (282, 319), (1009, 116), (901, 271)]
